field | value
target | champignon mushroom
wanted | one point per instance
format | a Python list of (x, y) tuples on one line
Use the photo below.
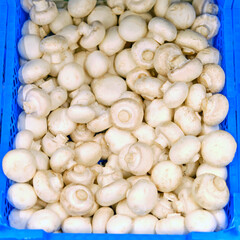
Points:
[(77, 225), (205, 6), (80, 8), (108, 176), (123, 209), (145, 133), (140, 6), (209, 55), (221, 218), (218, 171), (82, 133), (58, 209), (119, 224), (144, 224)]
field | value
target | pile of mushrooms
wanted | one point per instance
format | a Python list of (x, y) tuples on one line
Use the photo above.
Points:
[(134, 83)]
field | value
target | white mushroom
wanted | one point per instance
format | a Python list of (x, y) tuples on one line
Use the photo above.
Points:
[(205, 6), (144, 224), (123, 209), (209, 55), (77, 225), (100, 138), (80, 8), (145, 133), (119, 224), (24, 139), (221, 218), (161, 7), (81, 133), (108, 176), (218, 171), (58, 209)]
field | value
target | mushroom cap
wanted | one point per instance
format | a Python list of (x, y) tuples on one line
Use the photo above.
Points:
[(210, 192), (33, 70), (162, 208), (70, 32), (181, 14), (81, 8), (144, 224), (129, 23), (145, 133), (108, 89), (48, 185), (215, 109), (206, 24), (58, 209), (77, 225), (221, 218), (120, 224), (162, 30), (142, 197), (123, 209), (218, 148), (108, 176), (44, 219), (163, 56), (19, 165), (146, 16), (142, 6), (54, 44), (44, 17), (126, 114), (167, 176), (21, 196), (209, 55), (76, 199), (212, 77), (185, 150), (200, 221)]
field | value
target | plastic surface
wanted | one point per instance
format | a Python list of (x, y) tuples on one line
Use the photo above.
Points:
[(224, 42)]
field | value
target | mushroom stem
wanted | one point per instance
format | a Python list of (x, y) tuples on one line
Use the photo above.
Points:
[(177, 61), (40, 5), (84, 29), (162, 141)]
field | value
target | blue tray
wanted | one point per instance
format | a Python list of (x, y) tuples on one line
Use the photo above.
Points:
[(224, 42)]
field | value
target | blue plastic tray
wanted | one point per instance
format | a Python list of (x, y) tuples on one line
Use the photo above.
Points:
[(224, 42)]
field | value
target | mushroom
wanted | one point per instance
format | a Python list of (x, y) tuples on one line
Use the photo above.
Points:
[(205, 6), (26, 5), (174, 94), (112, 42), (218, 148), (173, 224), (181, 14), (162, 30), (70, 32), (186, 182), (117, 6), (190, 168), (82, 133), (159, 154), (188, 120), (62, 20), (215, 109), (51, 143), (218, 171), (128, 24), (206, 24), (166, 176), (54, 46), (144, 224), (82, 96), (210, 192), (126, 114), (80, 8), (29, 47), (21, 196), (93, 34), (206, 129), (119, 224), (200, 221), (209, 55), (108, 176), (19, 165), (71, 76), (157, 113), (103, 14), (77, 225), (124, 62), (221, 218), (196, 94), (24, 139), (37, 103), (79, 174), (112, 193), (88, 153), (60, 123), (97, 64), (146, 16), (212, 77), (22, 92), (140, 6), (185, 150), (123, 209), (48, 185), (58, 209), (145, 134), (142, 197), (44, 219), (161, 7), (191, 42), (33, 70), (136, 158), (76, 199), (143, 52), (132, 95), (100, 138), (62, 159), (100, 219), (108, 89), (43, 12)]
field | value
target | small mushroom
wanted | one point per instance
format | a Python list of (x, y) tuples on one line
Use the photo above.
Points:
[(166, 176), (24, 139), (136, 158), (19, 165), (145, 134), (117, 6), (43, 12), (221, 218), (140, 6), (48, 185), (144, 224), (209, 55), (58, 209), (218, 148), (200, 221), (80, 9), (77, 225), (218, 171), (21, 196), (210, 192), (142, 197), (181, 14), (120, 224), (146, 16), (100, 219), (76, 199), (44, 219)]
